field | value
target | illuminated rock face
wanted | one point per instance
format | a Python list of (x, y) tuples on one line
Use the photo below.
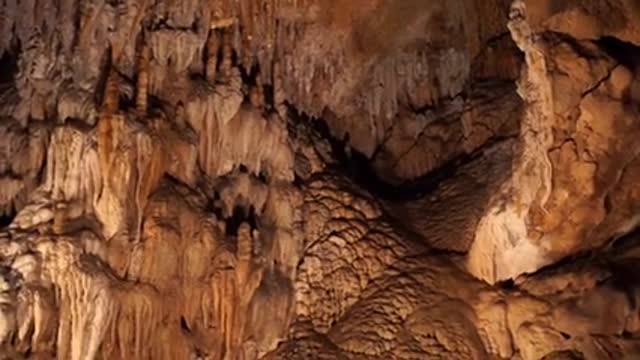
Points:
[(334, 179)]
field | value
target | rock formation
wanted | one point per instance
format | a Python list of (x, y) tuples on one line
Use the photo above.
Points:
[(330, 179)]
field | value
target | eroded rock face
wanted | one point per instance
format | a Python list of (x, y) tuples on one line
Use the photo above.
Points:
[(576, 145), (319, 179)]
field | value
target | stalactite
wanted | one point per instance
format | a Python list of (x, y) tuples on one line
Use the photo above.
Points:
[(143, 81), (137, 317), (111, 105), (84, 298), (227, 52), (213, 47)]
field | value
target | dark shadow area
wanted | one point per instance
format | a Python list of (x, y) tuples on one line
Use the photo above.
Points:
[(7, 218), (508, 285), (615, 255), (359, 169), (625, 53), (632, 239), (8, 67), (184, 326), (239, 216)]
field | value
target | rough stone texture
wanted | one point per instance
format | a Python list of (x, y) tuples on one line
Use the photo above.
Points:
[(577, 142), (295, 179)]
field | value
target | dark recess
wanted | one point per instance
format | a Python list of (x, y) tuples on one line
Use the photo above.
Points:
[(239, 216), (183, 325), (357, 166), (624, 52), (7, 218), (8, 67)]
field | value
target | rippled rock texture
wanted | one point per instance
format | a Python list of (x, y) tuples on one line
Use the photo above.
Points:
[(330, 179)]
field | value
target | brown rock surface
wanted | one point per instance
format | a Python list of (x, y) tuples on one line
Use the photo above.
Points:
[(296, 179)]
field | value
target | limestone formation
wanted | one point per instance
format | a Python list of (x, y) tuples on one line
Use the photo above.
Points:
[(319, 179)]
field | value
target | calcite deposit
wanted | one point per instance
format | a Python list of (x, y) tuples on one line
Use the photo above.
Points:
[(319, 179)]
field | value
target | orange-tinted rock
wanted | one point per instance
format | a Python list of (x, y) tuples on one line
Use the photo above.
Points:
[(319, 179)]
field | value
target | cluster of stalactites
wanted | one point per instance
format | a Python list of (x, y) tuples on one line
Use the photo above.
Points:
[(274, 36)]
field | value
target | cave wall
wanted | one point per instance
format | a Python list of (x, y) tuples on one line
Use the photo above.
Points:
[(319, 179)]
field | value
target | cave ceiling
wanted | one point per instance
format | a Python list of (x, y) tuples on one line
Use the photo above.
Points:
[(319, 179)]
